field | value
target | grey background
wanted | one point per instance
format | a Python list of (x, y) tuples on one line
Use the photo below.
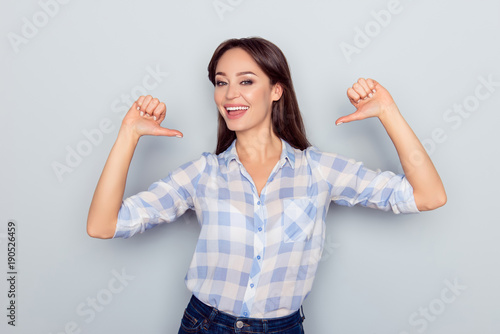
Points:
[(378, 271)]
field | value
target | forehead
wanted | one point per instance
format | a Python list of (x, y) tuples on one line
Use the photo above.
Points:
[(237, 60)]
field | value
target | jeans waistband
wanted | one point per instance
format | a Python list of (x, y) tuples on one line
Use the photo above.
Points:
[(241, 324)]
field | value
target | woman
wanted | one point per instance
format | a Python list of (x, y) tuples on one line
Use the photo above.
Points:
[(262, 199)]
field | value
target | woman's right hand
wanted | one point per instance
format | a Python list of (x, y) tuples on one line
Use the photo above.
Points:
[(145, 117)]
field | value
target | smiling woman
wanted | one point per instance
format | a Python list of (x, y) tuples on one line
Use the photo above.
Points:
[(266, 60), (245, 96), (262, 198)]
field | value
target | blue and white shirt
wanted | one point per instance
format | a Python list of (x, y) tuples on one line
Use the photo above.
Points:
[(257, 256)]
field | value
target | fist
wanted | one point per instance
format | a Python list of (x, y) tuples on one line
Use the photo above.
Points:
[(145, 117), (150, 107), (369, 98)]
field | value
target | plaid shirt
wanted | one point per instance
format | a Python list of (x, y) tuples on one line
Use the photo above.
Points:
[(257, 256)]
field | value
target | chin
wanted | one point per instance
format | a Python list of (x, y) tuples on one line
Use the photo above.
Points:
[(234, 128)]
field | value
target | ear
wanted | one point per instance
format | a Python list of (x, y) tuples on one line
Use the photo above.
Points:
[(277, 91)]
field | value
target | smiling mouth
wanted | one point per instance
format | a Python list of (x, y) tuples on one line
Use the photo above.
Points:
[(229, 109), (236, 111)]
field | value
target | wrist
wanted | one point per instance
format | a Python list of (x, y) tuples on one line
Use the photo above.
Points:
[(388, 113), (128, 135)]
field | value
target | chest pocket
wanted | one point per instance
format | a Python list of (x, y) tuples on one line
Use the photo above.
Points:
[(298, 219)]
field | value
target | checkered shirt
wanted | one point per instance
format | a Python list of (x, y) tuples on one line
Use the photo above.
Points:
[(257, 256)]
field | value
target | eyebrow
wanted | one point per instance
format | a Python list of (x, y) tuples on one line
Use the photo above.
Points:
[(237, 74)]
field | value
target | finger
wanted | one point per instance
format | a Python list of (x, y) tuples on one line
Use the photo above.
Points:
[(353, 95), (152, 106), (140, 100), (146, 115), (371, 84), (159, 131), (159, 112), (145, 103), (360, 90), (365, 86), (133, 107)]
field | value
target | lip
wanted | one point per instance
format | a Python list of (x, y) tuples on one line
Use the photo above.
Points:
[(237, 113)]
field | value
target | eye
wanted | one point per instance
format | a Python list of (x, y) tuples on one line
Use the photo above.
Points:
[(247, 82), (220, 83)]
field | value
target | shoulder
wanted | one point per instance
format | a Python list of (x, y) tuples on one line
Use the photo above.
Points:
[(325, 162), (299, 157), (195, 167), (314, 156), (191, 172), (206, 159)]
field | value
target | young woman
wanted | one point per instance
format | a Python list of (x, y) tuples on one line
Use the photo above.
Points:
[(262, 198)]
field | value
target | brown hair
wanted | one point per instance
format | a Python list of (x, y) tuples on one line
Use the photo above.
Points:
[(286, 118)]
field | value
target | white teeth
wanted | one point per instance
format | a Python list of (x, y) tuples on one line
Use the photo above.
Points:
[(236, 108)]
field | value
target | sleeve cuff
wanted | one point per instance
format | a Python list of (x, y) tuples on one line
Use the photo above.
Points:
[(405, 201)]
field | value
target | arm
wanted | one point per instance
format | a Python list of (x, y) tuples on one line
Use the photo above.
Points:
[(143, 118), (373, 100)]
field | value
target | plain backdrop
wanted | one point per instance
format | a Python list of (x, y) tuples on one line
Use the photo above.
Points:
[(68, 69)]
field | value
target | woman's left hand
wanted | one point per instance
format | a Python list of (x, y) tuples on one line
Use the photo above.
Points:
[(373, 100), (370, 100)]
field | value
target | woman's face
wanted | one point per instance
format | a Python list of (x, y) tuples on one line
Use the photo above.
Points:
[(243, 92)]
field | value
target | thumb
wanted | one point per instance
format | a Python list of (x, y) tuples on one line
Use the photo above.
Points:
[(159, 131), (349, 118)]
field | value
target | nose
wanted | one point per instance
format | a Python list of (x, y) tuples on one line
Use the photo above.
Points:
[(232, 91)]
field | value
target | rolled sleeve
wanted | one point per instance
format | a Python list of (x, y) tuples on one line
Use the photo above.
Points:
[(401, 199), (164, 201), (352, 183)]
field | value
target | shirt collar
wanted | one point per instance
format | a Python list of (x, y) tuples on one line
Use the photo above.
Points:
[(287, 154)]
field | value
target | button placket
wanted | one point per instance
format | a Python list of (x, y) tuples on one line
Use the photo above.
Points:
[(258, 250), (260, 237)]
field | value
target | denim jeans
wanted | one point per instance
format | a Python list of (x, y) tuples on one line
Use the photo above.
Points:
[(201, 318)]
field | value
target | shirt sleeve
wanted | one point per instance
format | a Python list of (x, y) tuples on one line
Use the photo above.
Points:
[(164, 201), (352, 183)]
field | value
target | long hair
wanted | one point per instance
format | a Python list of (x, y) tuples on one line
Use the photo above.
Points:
[(285, 115)]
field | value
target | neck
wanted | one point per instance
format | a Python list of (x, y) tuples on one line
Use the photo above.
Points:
[(258, 148)]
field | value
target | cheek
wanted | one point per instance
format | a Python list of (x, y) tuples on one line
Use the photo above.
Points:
[(259, 98), (219, 93), (221, 112), (218, 101), (253, 97)]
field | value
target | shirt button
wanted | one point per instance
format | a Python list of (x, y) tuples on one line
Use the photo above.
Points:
[(251, 285), (239, 324), (260, 229), (258, 257), (258, 203)]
